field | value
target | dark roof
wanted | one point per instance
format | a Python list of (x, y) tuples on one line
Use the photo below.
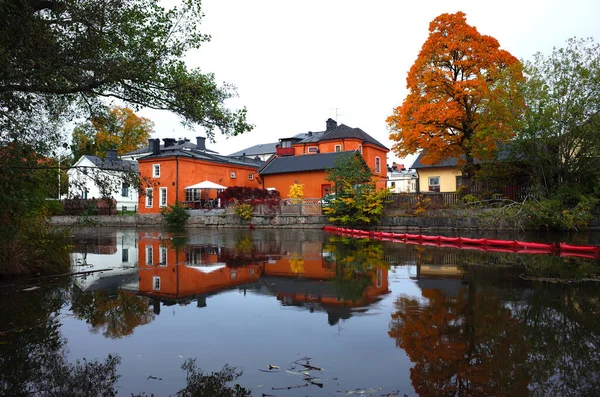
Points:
[(343, 131), (340, 132), (185, 145), (309, 162), (263, 148), (503, 154), (112, 164), (194, 153)]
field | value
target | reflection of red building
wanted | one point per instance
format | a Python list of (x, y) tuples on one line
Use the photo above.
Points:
[(299, 278), (164, 271)]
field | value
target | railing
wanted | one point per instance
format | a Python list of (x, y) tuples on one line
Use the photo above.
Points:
[(286, 206), (285, 151)]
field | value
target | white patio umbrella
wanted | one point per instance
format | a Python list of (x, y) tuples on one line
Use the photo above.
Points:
[(206, 185)]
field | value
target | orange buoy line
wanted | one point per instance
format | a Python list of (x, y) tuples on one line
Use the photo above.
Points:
[(479, 244)]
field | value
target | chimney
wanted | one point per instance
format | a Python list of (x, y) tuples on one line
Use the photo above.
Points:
[(169, 142), (200, 143), (331, 124), (154, 146), (111, 154), (309, 133)]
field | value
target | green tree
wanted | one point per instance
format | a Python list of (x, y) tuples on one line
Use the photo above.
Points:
[(357, 201), (62, 57), (463, 97), (560, 136), (119, 129)]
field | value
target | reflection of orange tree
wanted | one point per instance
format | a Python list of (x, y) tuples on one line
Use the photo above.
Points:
[(116, 315), (463, 345)]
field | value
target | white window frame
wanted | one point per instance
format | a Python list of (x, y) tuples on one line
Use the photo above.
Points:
[(163, 194), (156, 283), (155, 170), (232, 174), (149, 255), (377, 165), (313, 150), (250, 176), (360, 149), (149, 198), (164, 254), (337, 148), (429, 184)]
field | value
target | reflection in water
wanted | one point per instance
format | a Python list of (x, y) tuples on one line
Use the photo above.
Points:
[(469, 325), (463, 344), (333, 276)]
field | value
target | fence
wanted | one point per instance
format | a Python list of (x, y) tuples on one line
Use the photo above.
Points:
[(287, 206), (89, 207)]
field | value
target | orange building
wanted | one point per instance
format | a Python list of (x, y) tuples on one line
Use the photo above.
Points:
[(291, 166), (173, 169)]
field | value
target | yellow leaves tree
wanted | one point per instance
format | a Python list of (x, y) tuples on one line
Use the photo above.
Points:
[(296, 192), (119, 129), (463, 98)]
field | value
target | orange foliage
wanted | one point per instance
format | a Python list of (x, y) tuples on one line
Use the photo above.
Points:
[(467, 344), (463, 95)]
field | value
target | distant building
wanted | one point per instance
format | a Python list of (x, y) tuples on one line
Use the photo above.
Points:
[(263, 151), (401, 180), (89, 172)]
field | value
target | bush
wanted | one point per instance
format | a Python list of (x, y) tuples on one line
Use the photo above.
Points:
[(361, 205), (175, 215), (242, 193), (54, 207), (244, 210)]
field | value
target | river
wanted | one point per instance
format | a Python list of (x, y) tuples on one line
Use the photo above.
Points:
[(301, 313)]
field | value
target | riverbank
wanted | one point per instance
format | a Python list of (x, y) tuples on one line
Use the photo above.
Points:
[(434, 221)]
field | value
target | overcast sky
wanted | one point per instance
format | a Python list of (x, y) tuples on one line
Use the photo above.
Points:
[(297, 63)]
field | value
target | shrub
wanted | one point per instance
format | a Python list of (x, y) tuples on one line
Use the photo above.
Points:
[(54, 207), (175, 215), (244, 210), (242, 193)]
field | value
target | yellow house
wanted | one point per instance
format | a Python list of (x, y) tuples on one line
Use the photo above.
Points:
[(444, 177)]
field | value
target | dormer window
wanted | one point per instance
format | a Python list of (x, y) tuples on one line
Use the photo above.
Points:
[(286, 144)]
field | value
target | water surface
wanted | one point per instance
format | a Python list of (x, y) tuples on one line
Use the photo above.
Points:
[(336, 315)]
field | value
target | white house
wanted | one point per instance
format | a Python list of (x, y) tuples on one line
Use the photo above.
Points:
[(401, 180), (89, 172)]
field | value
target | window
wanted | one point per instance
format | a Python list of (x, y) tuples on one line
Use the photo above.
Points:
[(233, 274), (250, 177), (458, 181), (125, 255), (252, 272), (149, 198), (192, 194), (156, 283), (286, 144), (125, 190), (163, 197), (84, 194), (338, 148), (313, 149), (360, 148), (163, 256), (377, 165), (434, 183), (155, 170), (392, 184), (232, 174), (149, 255)]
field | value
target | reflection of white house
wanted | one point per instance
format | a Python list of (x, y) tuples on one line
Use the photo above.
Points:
[(117, 253), (401, 180), (89, 171)]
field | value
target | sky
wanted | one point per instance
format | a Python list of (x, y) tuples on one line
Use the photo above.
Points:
[(297, 63)]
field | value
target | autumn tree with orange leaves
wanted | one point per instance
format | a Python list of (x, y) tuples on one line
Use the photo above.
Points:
[(119, 129), (463, 97)]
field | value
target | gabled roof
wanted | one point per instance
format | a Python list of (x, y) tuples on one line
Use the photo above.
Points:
[(341, 131), (309, 162), (503, 154), (263, 148), (112, 164)]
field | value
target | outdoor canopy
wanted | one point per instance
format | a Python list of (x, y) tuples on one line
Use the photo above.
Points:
[(207, 185)]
